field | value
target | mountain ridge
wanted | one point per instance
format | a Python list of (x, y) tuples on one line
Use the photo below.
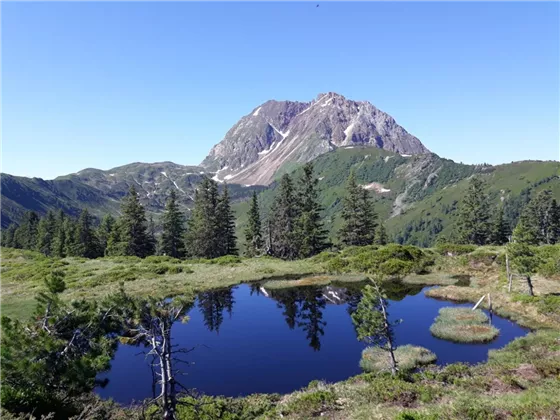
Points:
[(277, 133)]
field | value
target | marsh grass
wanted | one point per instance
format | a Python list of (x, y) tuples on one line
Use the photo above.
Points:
[(408, 357), (463, 325), (317, 280)]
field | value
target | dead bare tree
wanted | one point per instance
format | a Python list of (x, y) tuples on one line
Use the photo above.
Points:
[(148, 322)]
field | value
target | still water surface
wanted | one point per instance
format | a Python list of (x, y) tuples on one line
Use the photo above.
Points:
[(253, 340)]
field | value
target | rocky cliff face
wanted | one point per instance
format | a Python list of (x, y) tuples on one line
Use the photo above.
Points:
[(277, 134)]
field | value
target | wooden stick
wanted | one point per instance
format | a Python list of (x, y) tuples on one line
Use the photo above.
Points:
[(478, 303)]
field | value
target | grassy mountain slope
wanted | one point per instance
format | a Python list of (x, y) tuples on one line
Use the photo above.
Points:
[(417, 196), (101, 191)]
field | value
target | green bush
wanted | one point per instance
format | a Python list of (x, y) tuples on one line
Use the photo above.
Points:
[(158, 259), (311, 404), (454, 249), (226, 260), (336, 265), (396, 268)]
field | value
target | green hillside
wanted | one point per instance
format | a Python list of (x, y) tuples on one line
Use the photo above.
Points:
[(417, 196)]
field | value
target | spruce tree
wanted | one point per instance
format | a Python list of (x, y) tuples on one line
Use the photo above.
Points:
[(26, 234), (253, 234), (537, 221), (85, 242), (227, 241), (46, 233), (500, 229), (8, 236), (474, 216), (152, 240), (381, 235), (554, 225), (173, 235), (283, 218), (133, 227), (359, 219), (59, 242), (368, 219), (312, 235), (202, 238), (351, 233), (108, 223)]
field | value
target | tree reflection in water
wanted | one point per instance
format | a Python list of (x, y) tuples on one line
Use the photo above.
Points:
[(212, 305)]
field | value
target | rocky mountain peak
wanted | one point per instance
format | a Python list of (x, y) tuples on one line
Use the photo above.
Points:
[(277, 133)]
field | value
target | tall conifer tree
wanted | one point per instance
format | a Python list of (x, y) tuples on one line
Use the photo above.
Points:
[(253, 234), (133, 229), (173, 235), (202, 238), (500, 228), (227, 241), (107, 225), (474, 216), (85, 242), (283, 218), (46, 233), (359, 220), (312, 235)]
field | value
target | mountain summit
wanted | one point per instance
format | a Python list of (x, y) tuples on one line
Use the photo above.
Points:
[(278, 133)]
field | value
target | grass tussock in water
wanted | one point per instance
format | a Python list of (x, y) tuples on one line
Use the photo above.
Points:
[(463, 325), (408, 357)]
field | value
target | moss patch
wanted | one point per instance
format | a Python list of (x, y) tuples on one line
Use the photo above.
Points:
[(463, 325), (408, 357)]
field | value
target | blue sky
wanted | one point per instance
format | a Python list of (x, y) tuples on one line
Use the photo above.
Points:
[(105, 84)]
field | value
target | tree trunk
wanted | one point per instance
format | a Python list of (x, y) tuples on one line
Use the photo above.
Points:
[(530, 284), (389, 339), (509, 275)]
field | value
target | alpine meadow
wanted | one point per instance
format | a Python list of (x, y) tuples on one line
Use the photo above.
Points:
[(320, 260)]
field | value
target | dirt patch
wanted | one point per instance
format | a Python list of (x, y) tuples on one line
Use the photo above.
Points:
[(528, 372)]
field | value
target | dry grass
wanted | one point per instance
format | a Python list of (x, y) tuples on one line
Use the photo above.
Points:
[(408, 357), (463, 325)]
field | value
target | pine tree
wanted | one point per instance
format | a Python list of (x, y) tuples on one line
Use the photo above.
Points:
[(312, 235), (227, 241), (554, 225), (537, 221), (372, 324), (474, 215), (26, 234), (368, 220), (253, 234), (152, 240), (381, 235), (46, 233), (108, 223), (85, 242), (359, 218), (202, 238), (8, 236), (500, 228), (133, 227), (173, 235), (59, 242), (351, 233), (283, 218)]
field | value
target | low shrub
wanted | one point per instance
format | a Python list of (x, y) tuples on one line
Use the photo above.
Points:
[(158, 259), (454, 249), (226, 260), (311, 403), (463, 325), (337, 265), (396, 268), (375, 359)]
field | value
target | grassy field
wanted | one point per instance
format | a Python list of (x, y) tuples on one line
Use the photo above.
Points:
[(521, 380)]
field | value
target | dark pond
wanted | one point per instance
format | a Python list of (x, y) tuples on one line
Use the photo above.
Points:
[(253, 340)]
